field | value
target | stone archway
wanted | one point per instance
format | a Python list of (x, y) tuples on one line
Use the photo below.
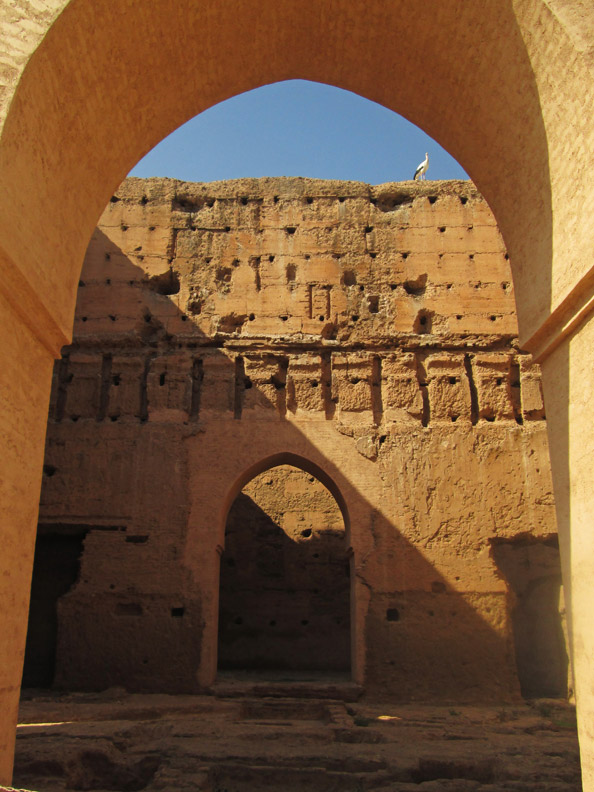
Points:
[(90, 87)]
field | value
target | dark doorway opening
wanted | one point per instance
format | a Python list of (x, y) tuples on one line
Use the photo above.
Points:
[(55, 570), (285, 578)]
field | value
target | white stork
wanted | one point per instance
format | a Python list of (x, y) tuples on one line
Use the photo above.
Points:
[(422, 168)]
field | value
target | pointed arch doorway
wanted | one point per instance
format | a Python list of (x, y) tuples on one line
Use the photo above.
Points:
[(285, 580)]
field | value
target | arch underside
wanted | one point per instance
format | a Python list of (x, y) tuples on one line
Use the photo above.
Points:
[(100, 91)]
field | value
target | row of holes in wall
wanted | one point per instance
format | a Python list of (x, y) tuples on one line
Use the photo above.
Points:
[(168, 283), (290, 230), (136, 609), (389, 200)]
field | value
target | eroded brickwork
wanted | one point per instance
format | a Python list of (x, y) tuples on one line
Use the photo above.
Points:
[(368, 332)]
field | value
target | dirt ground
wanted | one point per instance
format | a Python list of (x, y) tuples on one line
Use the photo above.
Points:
[(263, 740)]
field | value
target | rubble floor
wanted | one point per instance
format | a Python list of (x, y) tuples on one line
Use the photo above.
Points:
[(261, 738)]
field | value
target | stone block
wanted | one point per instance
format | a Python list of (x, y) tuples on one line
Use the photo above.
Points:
[(533, 408), (169, 388), (448, 386), (265, 383), (492, 382), (83, 386), (401, 393), (126, 388), (218, 385), (305, 387), (352, 382)]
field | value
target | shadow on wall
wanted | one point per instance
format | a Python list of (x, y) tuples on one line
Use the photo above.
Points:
[(532, 569), (149, 429)]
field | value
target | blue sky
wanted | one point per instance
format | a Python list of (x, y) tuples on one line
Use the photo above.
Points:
[(297, 128)]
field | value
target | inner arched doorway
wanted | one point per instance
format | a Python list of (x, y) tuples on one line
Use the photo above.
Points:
[(285, 578)]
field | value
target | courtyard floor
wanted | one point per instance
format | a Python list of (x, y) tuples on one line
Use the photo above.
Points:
[(243, 740)]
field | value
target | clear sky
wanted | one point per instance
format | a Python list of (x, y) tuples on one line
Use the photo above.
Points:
[(297, 128)]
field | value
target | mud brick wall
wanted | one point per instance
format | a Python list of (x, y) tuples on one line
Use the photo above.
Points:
[(365, 335)]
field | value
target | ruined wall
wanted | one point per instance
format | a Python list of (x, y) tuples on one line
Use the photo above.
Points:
[(369, 331)]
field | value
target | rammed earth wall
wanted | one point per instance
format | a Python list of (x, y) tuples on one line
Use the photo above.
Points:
[(364, 334)]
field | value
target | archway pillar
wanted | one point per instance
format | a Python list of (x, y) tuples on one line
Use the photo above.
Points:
[(26, 364), (568, 380)]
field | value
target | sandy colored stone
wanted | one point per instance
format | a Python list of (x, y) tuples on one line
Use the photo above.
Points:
[(293, 358)]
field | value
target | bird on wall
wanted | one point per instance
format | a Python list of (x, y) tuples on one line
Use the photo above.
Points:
[(422, 168)]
